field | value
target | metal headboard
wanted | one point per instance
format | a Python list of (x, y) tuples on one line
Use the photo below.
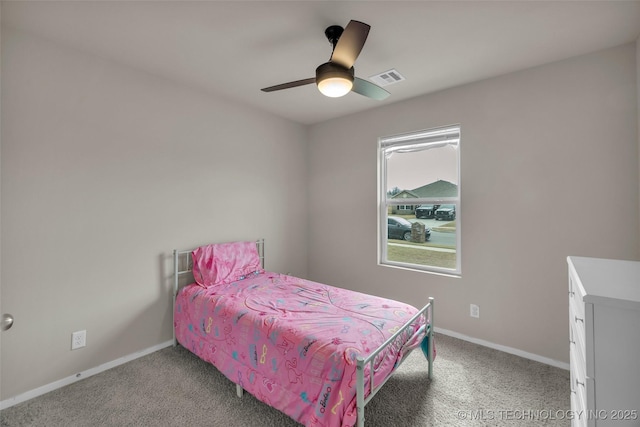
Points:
[(182, 266)]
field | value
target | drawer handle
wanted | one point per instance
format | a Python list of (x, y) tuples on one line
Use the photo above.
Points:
[(572, 293), (572, 342), (579, 383), (579, 319)]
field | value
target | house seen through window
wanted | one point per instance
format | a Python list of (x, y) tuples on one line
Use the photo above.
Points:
[(419, 200)]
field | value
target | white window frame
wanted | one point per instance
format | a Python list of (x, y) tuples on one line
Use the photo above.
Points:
[(408, 142)]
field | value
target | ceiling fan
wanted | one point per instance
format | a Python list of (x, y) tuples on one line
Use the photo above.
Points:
[(336, 77)]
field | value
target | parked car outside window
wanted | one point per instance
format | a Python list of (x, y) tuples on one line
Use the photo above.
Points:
[(426, 211), (446, 213), (400, 228)]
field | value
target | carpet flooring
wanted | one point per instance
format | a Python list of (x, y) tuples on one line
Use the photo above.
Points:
[(472, 386)]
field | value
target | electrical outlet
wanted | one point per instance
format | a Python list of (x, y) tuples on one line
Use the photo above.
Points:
[(78, 339), (474, 311)]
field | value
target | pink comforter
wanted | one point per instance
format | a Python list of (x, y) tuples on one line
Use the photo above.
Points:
[(290, 342)]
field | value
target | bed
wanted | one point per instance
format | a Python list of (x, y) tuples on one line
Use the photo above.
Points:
[(315, 352)]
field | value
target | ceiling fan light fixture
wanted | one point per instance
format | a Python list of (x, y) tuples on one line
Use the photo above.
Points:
[(335, 87), (334, 80)]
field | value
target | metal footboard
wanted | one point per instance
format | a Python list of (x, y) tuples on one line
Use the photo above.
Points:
[(361, 400)]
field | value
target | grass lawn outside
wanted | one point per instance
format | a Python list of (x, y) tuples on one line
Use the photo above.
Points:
[(421, 255)]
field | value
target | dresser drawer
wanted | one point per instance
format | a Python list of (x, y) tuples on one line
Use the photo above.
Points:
[(578, 401), (576, 296), (577, 335), (582, 390), (577, 410)]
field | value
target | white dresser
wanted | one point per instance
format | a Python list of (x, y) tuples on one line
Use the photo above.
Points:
[(604, 340)]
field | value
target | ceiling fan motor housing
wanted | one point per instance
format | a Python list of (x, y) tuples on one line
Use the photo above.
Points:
[(330, 70)]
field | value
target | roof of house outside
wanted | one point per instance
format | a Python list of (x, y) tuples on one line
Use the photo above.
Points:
[(405, 194), (439, 188)]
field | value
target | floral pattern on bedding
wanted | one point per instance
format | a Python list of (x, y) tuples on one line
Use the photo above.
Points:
[(290, 342)]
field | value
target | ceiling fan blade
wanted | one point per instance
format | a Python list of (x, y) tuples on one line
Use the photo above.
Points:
[(350, 43), (368, 89), (289, 85)]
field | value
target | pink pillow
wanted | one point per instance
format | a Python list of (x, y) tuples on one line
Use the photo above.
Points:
[(225, 262)]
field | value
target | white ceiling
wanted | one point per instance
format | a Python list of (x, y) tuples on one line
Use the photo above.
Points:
[(234, 48)]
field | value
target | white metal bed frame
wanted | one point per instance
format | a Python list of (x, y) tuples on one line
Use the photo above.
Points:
[(182, 265)]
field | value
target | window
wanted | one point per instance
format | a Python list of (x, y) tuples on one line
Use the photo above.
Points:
[(419, 200), (406, 207)]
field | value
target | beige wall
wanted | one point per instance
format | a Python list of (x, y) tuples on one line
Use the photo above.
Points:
[(549, 168), (104, 171)]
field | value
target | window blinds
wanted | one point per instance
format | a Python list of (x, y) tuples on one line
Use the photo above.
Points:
[(417, 141)]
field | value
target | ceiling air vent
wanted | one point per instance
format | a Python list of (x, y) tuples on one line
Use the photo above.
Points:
[(387, 78)]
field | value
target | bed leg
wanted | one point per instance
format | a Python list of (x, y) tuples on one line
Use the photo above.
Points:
[(360, 392), (239, 390)]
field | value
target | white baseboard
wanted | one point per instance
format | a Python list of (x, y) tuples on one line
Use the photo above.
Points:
[(79, 376), (510, 350)]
